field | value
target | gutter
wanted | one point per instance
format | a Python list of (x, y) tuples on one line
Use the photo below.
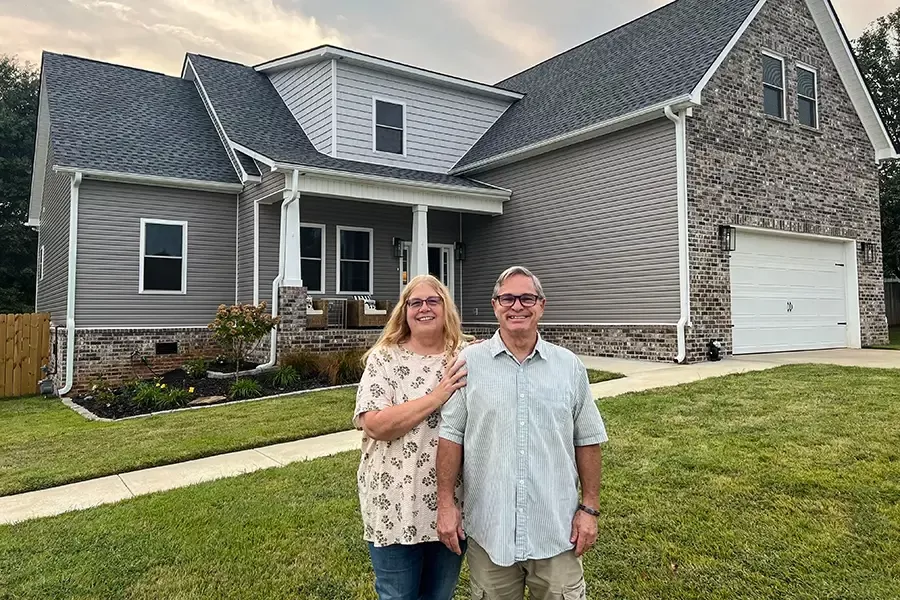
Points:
[(70, 300), (155, 180), (684, 275), (276, 284)]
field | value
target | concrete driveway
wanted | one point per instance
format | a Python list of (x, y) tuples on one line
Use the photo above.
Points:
[(645, 375)]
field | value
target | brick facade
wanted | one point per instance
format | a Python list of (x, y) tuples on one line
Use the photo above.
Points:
[(746, 168)]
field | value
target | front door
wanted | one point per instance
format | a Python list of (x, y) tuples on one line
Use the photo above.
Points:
[(440, 264)]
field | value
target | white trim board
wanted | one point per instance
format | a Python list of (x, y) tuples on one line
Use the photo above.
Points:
[(783, 87), (322, 261), (182, 258)]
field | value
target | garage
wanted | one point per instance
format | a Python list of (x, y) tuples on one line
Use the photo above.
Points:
[(790, 292)]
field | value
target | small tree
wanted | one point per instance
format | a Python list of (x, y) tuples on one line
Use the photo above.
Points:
[(239, 328)]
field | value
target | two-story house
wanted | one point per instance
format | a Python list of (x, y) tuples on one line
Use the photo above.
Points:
[(706, 173)]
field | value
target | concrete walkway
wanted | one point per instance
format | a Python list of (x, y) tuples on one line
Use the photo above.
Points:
[(641, 376)]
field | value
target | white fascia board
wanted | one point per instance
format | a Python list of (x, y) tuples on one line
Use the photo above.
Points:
[(596, 130), (41, 155), (32, 223), (494, 192), (154, 180), (380, 64), (698, 90), (842, 55), (254, 155)]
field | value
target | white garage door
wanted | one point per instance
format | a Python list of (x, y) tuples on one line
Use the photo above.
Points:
[(787, 293)]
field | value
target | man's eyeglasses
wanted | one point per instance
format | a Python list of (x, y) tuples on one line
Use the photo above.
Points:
[(416, 303), (508, 300)]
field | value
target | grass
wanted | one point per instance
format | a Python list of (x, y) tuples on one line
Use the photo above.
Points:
[(779, 484), (43, 443), (595, 376)]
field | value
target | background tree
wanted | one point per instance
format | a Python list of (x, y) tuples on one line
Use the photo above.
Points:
[(19, 90), (878, 53)]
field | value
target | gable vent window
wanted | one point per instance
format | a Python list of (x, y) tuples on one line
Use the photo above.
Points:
[(773, 85), (807, 97), (390, 127), (163, 257)]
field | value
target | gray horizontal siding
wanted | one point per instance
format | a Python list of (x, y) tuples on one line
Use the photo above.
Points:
[(109, 233), (597, 222), (386, 221), (52, 291), (441, 124), (307, 93), (272, 183)]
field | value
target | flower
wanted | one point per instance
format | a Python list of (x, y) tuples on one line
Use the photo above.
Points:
[(162, 387), (190, 390)]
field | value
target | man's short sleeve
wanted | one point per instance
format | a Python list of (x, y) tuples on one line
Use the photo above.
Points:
[(453, 417), (589, 427), (375, 391)]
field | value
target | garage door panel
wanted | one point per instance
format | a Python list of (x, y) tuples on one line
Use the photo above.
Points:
[(787, 294)]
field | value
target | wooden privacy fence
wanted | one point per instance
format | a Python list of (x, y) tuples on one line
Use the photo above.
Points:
[(24, 349), (892, 301)]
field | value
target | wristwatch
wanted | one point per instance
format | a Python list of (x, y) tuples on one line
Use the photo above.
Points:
[(590, 511)]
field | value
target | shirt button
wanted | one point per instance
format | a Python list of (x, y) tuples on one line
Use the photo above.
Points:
[(521, 452), (521, 395), (521, 423)]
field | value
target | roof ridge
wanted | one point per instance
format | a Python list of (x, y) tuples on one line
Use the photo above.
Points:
[(586, 42), (109, 64), (217, 59)]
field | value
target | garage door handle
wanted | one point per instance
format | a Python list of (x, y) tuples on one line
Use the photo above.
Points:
[(844, 323)]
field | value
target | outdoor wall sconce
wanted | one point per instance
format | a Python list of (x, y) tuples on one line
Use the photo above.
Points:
[(398, 247), (460, 250), (868, 252), (726, 238)]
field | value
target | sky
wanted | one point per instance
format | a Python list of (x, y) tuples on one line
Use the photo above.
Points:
[(484, 40)]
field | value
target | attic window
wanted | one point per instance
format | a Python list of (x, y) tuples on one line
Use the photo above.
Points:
[(773, 85), (807, 96), (389, 123)]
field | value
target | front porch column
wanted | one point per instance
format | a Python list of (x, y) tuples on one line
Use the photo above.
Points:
[(291, 231), (418, 259)]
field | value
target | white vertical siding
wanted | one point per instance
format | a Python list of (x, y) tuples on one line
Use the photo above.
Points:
[(307, 93), (441, 124)]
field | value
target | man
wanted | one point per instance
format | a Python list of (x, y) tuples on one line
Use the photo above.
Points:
[(531, 431)]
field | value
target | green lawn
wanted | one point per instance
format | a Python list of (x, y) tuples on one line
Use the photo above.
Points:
[(780, 484), (595, 376), (43, 443)]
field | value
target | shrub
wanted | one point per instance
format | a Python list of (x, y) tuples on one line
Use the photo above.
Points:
[(245, 388), (148, 394), (173, 398), (195, 368), (284, 376), (239, 328), (334, 368), (305, 364), (351, 367)]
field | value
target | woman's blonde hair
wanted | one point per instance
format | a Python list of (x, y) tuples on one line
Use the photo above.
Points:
[(397, 331)]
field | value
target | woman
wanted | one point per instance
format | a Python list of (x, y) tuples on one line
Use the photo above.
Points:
[(410, 373)]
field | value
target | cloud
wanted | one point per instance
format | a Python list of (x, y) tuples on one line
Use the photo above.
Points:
[(156, 35)]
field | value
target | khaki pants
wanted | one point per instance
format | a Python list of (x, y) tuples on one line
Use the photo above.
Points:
[(558, 578)]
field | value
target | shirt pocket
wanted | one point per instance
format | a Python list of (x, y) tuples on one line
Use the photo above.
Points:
[(553, 400)]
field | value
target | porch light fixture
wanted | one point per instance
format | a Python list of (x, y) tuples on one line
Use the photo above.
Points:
[(868, 252), (726, 238), (398, 247), (460, 250)]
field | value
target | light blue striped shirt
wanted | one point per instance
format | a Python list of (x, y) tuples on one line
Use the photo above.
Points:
[(519, 425)]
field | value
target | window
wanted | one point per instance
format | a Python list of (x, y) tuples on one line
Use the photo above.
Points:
[(440, 264), (807, 96), (773, 85), (312, 257), (41, 265), (354, 268), (390, 126), (163, 257)]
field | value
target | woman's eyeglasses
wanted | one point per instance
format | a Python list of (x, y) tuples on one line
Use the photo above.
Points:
[(416, 303), (508, 300)]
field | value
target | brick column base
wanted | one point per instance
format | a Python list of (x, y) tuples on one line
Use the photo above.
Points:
[(292, 310)]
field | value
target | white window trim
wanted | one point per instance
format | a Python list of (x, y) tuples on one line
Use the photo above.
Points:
[(780, 59), (41, 264), (184, 253), (337, 269), (815, 74), (322, 275), (375, 100)]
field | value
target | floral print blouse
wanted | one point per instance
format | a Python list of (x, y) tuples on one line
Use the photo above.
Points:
[(397, 480)]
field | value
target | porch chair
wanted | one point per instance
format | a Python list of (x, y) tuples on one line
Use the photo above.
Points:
[(363, 311), (316, 313)]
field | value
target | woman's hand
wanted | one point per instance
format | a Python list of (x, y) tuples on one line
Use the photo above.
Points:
[(452, 381)]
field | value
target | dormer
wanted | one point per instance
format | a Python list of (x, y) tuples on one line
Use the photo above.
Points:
[(359, 107)]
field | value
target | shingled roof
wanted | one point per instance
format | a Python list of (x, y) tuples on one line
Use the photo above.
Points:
[(254, 116), (125, 120), (658, 57)]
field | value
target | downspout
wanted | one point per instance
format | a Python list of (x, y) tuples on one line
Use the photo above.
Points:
[(684, 275), (276, 284), (70, 300)]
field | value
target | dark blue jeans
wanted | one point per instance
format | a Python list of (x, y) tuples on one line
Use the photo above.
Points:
[(426, 571)]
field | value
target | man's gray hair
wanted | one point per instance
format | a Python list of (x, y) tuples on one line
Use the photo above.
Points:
[(518, 271)]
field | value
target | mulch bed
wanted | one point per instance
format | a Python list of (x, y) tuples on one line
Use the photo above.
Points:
[(123, 405)]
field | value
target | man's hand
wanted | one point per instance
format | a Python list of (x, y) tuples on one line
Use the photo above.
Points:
[(449, 527), (584, 531)]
